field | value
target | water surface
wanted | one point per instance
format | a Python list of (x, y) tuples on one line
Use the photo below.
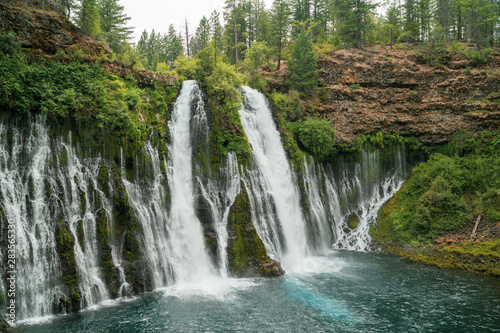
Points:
[(341, 292)]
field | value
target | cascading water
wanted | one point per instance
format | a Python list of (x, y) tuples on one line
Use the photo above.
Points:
[(80, 195), (147, 197), (321, 228), (41, 187), (45, 186), (189, 259), (365, 193), (272, 186), (331, 201), (220, 195), (356, 191)]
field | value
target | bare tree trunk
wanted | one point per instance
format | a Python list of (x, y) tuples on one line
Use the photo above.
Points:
[(235, 34), (279, 54), (187, 38)]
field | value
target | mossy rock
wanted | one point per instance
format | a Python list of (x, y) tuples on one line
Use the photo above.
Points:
[(353, 221), (80, 234), (246, 251), (66, 250), (103, 179)]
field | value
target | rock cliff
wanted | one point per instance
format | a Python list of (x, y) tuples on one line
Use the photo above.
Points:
[(397, 92), (42, 28)]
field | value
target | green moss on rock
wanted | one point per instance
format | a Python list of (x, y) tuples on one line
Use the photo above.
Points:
[(65, 249), (247, 253), (103, 179), (353, 221)]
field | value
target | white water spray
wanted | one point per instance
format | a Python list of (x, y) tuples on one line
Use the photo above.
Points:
[(189, 258), (276, 178)]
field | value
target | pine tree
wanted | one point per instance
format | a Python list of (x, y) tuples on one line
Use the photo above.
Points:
[(216, 35), (302, 65), (113, 24), (66, 5), (265, 28), (235, 31), (174, 47), (353, 17), (87, 17), (280, 16), (202, 36)]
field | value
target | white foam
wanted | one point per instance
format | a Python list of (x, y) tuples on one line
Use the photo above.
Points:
[(212, 287), (317, 265)]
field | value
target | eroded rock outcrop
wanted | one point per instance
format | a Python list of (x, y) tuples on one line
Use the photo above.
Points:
[(43, 28), (367, 92), (247, 254)]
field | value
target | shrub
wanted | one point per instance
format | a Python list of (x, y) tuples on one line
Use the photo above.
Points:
[(290, 105), (9, 45), (316, 135)]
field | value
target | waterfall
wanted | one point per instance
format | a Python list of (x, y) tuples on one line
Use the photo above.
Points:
[(178, 206), (189, 259), (147, 197), (220, 195), (366, 191), (321, 229), (81, 193), (40, 187), (355, 190), (272, 186)]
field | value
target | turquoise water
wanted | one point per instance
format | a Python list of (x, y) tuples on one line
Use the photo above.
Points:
[(342, 292)]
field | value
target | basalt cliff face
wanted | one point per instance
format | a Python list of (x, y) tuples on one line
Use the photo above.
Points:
[(397, 92)]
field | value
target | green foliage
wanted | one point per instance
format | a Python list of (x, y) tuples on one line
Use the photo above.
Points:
[(354, 22), (488, 204), (290, 105), (224, 83), (488, 248), (9, 45), (103, 107), (113, 24), (479, 111), (445, 192), (302, 66), (316, 135), (156, 47), (380, 140), (87, 17), (258, 56), (480, 57)]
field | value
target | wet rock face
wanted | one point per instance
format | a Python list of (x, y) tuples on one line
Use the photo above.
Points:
[(368, 91), (247, 254)]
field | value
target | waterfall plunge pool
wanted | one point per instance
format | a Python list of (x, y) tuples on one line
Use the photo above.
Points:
[(342, 292)]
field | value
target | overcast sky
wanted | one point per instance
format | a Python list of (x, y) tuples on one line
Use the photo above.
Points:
[(159, 14)]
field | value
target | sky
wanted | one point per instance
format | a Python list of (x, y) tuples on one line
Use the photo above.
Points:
[(159, 14)]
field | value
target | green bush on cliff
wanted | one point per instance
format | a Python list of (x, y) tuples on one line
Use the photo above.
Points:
[(443, 193), (316, 135), (114, 111), (222, 84)]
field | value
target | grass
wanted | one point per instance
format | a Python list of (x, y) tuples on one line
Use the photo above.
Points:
[(486, 248), (479, 111)]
